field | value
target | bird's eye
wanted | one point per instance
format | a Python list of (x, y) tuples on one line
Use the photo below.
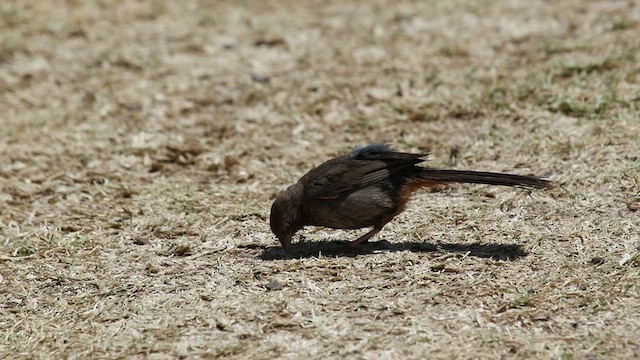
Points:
[(315, 182)]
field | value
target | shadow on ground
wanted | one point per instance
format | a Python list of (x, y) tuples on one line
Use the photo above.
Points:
[(310, 249)]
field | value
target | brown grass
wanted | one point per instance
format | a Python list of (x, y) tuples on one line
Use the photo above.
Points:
[(142, 142)]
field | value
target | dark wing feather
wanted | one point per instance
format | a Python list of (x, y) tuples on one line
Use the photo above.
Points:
[(350, 173)]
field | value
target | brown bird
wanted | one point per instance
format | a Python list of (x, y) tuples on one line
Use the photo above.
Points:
[(368, 187)]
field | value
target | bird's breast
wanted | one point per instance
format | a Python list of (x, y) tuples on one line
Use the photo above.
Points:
[(358, 209)]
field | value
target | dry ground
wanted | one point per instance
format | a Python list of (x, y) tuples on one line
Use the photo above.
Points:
[(142, 142)]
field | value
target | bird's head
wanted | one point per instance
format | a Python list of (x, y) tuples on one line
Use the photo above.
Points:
[(286, 214)]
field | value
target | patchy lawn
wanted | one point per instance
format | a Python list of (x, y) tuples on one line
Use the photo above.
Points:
[(142, 143)]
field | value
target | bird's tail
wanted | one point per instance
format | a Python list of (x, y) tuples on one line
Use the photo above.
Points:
[(481, 177)]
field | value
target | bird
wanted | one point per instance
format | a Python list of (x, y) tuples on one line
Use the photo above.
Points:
[(368, 187)]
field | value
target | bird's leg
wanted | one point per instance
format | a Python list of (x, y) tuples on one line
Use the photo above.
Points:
[(364, 238), (376, 229)]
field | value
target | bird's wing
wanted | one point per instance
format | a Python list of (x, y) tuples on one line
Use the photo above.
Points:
[(353, 172)]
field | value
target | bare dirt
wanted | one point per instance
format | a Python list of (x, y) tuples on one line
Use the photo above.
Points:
[(142, 143)]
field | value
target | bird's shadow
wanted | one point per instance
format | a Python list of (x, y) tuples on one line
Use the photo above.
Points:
[(311, 249)]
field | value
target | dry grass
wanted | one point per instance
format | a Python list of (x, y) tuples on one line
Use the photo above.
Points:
[(142, 143)]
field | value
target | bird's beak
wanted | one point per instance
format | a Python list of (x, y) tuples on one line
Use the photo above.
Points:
[(285, 241)]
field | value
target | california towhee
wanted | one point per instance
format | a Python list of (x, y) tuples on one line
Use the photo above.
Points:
[(368, 187)]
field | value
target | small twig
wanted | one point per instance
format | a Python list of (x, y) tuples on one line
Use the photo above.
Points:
[(15, 258)]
